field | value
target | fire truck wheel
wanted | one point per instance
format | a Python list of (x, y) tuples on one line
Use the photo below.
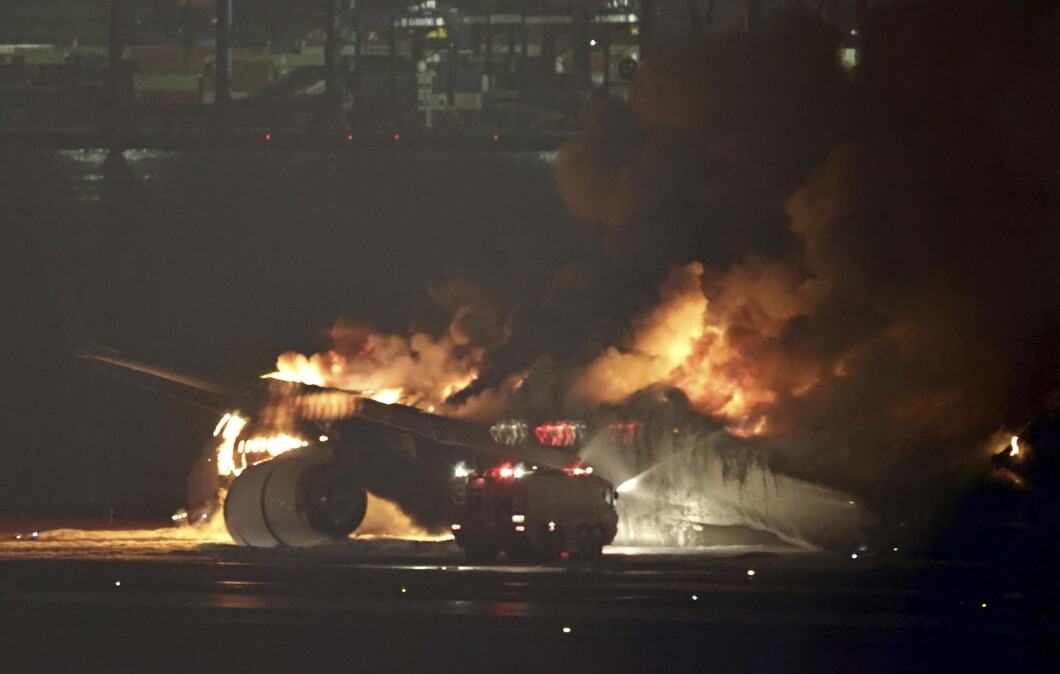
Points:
[(583, 543), (553, 543), (597, 542), (670, 536), (481, 553), (519, 552)]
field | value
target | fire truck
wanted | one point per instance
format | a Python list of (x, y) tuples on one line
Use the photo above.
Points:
[(536, 514)]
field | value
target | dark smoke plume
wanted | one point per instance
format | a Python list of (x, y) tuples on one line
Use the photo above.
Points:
[(859, 268), (880, 250)]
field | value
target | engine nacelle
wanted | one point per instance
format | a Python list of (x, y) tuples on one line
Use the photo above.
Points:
[(298, 499)]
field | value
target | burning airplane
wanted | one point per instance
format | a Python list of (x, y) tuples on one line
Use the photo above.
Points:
[(292, 463)]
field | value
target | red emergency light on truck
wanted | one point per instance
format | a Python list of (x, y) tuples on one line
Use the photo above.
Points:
[(533, 514)]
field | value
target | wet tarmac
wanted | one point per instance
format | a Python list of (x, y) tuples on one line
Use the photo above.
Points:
[(159, 605)]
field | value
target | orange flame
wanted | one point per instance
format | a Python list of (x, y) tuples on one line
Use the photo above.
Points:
[(418, 371), (233, 450), (719, 352)]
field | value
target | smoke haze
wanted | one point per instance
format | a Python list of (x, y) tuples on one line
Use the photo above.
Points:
[(913, 311), (860, 268)]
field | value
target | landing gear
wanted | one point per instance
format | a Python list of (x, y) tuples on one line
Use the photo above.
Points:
[(597, 541), (588, 543), (553, 543), (520, 552)]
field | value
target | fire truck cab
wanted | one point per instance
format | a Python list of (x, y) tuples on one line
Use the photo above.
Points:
[(533, 514)]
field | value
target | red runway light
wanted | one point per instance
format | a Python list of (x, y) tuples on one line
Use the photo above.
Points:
[(496, 137), (268, 136), (397, 136), (349, 137)]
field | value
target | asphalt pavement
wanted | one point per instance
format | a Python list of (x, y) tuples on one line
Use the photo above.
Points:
[(416, 606)]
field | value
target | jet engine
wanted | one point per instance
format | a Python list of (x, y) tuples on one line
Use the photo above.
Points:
[(298, 499)]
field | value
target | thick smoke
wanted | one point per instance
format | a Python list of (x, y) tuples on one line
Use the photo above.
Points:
[(725, 353), (438, 374), (419, 369), (859, 268), (903, 306), (386, 519)]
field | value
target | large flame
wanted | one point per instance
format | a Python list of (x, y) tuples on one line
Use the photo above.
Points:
[(716, 351), (419, 370), (236, 449), (235, 454)]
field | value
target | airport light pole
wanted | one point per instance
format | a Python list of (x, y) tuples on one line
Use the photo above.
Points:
[(223, 53), (646, 28), (582, 75), (115, 124), (333, 80), (115, 47)]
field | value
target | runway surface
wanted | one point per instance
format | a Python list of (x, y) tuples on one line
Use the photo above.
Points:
[(150, 601)]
